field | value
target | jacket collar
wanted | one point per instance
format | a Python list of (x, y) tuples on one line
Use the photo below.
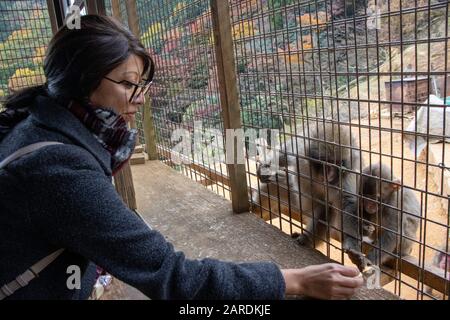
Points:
[(47, 112)]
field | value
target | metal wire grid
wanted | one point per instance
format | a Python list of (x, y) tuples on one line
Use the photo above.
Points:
[(307, 61), (108, 8), (184, 94), (123, 12), (24, 33)]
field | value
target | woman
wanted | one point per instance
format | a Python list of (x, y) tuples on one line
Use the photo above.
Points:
[(61, 196)]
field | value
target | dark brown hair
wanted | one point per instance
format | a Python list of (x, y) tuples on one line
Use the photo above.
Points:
[(77, 60)]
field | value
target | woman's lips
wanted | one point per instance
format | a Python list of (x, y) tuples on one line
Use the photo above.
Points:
[(129, 116)]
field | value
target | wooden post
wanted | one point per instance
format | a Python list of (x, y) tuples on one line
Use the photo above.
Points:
[(95, 7), (229, 99), (133, 24), (91, 7), (123, 180), (101, 8), (149, 129), (115, 5), (54, 14)]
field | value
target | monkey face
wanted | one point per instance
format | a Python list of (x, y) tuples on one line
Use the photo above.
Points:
[(267, 169), (370, 206), (264, 172), (445, 261), (372, 195)]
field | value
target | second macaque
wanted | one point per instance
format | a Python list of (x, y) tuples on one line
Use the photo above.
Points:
[(388, 215)]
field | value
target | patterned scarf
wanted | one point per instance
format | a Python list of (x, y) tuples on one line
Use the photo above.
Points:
[(110, 130)]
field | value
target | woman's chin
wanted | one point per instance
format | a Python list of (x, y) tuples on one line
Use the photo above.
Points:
[(128, 117)]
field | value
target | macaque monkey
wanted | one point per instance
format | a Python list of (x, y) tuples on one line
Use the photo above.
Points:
[(276, 181), (381, 206), (316, 164)]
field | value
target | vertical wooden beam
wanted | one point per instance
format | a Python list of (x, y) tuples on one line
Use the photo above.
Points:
[(149, 129), (123, 181), (133, 24), (101, 8), (115, 6), (133, 19), (91, 6), (229, 99), (54, 13), (95, 7)]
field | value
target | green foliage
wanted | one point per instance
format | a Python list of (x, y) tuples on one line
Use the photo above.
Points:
[(174, 88), (241, 66), (264, 112), (22, 39), (153, 37), (276, 18), (311, 107), (206, 110), (199, 76), (186, 11)]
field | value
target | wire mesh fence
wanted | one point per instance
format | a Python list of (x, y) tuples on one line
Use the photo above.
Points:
[(184, 95), (351, 85), (357, 92), (25, 31)]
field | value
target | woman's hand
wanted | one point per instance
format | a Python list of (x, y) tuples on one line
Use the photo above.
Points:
[(325, 281)]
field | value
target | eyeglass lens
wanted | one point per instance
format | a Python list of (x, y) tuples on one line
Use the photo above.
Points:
[(139, 90)]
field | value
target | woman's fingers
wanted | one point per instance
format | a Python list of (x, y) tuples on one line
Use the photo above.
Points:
[(350, 277), (348, 271), (355, 282)]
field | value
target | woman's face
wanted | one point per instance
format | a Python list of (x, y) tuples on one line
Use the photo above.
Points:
[(117, 96)]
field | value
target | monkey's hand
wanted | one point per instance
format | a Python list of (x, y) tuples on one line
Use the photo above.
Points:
[(302, 239), (358, 259)]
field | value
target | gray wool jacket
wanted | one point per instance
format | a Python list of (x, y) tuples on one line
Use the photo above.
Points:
[(61, 196)]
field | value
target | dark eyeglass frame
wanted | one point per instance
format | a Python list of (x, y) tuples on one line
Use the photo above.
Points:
[(143, 86)]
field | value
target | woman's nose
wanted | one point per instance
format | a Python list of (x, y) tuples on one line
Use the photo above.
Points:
[(139, 99)]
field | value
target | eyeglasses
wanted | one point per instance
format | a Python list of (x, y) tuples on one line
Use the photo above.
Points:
[(139, 88)]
